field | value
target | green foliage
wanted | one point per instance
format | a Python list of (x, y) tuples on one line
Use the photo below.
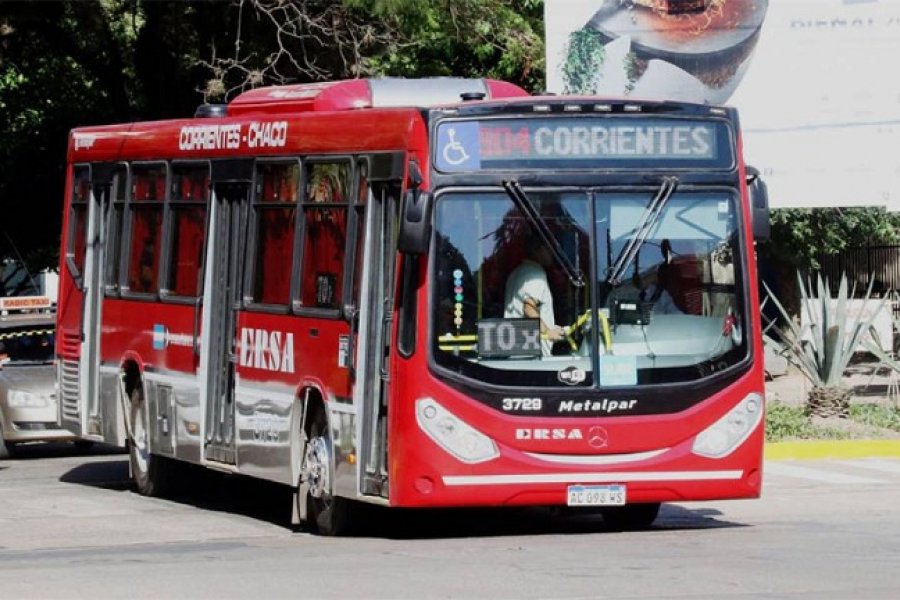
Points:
[(799, 235), (785, 422), (584, 57), (876, 415), (70, 63), (822, 348), (886, 359), (465, 38), (873, 345)]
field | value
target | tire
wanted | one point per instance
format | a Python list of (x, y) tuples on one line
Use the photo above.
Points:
[(6, 448), (148, 471), (631, 517), (327, 514)]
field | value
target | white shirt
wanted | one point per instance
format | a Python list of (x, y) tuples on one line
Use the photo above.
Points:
[(529, 280)]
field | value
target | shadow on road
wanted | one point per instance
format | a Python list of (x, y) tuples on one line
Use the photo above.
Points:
[(513, 521), (42, 450), (208, 490), (198, 487), (109, 474)]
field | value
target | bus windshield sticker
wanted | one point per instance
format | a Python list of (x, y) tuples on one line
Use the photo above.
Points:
[(566, 142), (459, 148), (325, 285), (504, 338), (343, 360), (618, 370), (572, 375)]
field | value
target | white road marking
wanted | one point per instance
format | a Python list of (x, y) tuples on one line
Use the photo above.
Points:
[(875, 464), (776, 468)]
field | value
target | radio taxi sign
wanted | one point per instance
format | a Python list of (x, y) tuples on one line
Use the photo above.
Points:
[(24, 303)]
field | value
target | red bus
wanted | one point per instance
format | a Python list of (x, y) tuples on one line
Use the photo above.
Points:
[(423, 294)]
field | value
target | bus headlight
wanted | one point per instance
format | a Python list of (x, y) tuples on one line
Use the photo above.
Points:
[(722, 437), (453, 434), (23, 399)]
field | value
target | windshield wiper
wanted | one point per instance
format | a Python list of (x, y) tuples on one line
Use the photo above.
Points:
[(648, 221), (514, 191)]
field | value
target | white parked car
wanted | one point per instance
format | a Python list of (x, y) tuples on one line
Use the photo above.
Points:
[(28, 389)]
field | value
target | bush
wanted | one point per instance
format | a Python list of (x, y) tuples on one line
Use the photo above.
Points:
[(784, 422), (876, 415)]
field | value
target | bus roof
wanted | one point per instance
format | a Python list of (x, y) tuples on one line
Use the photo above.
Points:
[(308, 111), (370, 93)]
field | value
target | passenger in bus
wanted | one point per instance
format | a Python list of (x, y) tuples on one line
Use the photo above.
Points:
[(660, 291), (655, 290), (527, 293)]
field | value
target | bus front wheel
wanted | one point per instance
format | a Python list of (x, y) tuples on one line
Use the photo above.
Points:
[(147, 470), (326, 513), (631, 517)]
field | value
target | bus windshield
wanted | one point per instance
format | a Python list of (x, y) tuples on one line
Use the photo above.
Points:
[(663, 302), (26, 345)]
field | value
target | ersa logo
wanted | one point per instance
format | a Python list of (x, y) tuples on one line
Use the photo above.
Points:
[(267, 350), (556, 433)]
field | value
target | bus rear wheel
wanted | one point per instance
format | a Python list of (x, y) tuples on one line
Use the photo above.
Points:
[(631, 517), (148, 471), (326, 513)]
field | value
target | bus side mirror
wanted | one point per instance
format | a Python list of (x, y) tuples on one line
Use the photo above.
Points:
[(415, 223), (415, 217), (759, 205)]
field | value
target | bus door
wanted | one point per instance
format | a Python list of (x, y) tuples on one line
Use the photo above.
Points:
[(375, 267), (79, 382), (231, 183)]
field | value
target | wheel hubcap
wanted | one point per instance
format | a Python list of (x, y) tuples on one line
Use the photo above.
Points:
[(139, 440), (317, 468)]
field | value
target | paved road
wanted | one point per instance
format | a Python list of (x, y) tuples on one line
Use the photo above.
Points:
[(70, 527)]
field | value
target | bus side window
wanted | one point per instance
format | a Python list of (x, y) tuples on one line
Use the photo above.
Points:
[(189, 202), (148, 191), (275, 211), (361, 199), (114, 233), (325, 218), (78, 221)]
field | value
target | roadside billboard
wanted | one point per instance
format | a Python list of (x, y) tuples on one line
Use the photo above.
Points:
[(813, 80)]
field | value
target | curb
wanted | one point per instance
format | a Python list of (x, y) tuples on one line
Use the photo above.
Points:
[(822, 449)]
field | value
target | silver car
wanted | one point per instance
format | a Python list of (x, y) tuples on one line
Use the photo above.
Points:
[(28, 391)]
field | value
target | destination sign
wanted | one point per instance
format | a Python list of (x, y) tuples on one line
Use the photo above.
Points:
[(582, 142)]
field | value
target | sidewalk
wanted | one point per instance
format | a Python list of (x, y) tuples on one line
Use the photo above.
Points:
[(870, 385)]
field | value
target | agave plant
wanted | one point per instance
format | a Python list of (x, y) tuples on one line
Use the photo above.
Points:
[(874, 346), (822, 348)]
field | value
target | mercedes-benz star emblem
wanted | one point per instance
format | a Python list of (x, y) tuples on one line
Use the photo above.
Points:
[(597, 437)]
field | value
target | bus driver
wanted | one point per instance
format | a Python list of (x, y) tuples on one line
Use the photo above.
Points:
[(527, 293)]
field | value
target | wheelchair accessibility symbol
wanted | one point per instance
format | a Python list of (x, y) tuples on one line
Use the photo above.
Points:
[(458, 146), (454, 152)]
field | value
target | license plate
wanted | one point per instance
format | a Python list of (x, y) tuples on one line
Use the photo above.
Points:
[(596, 495)]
